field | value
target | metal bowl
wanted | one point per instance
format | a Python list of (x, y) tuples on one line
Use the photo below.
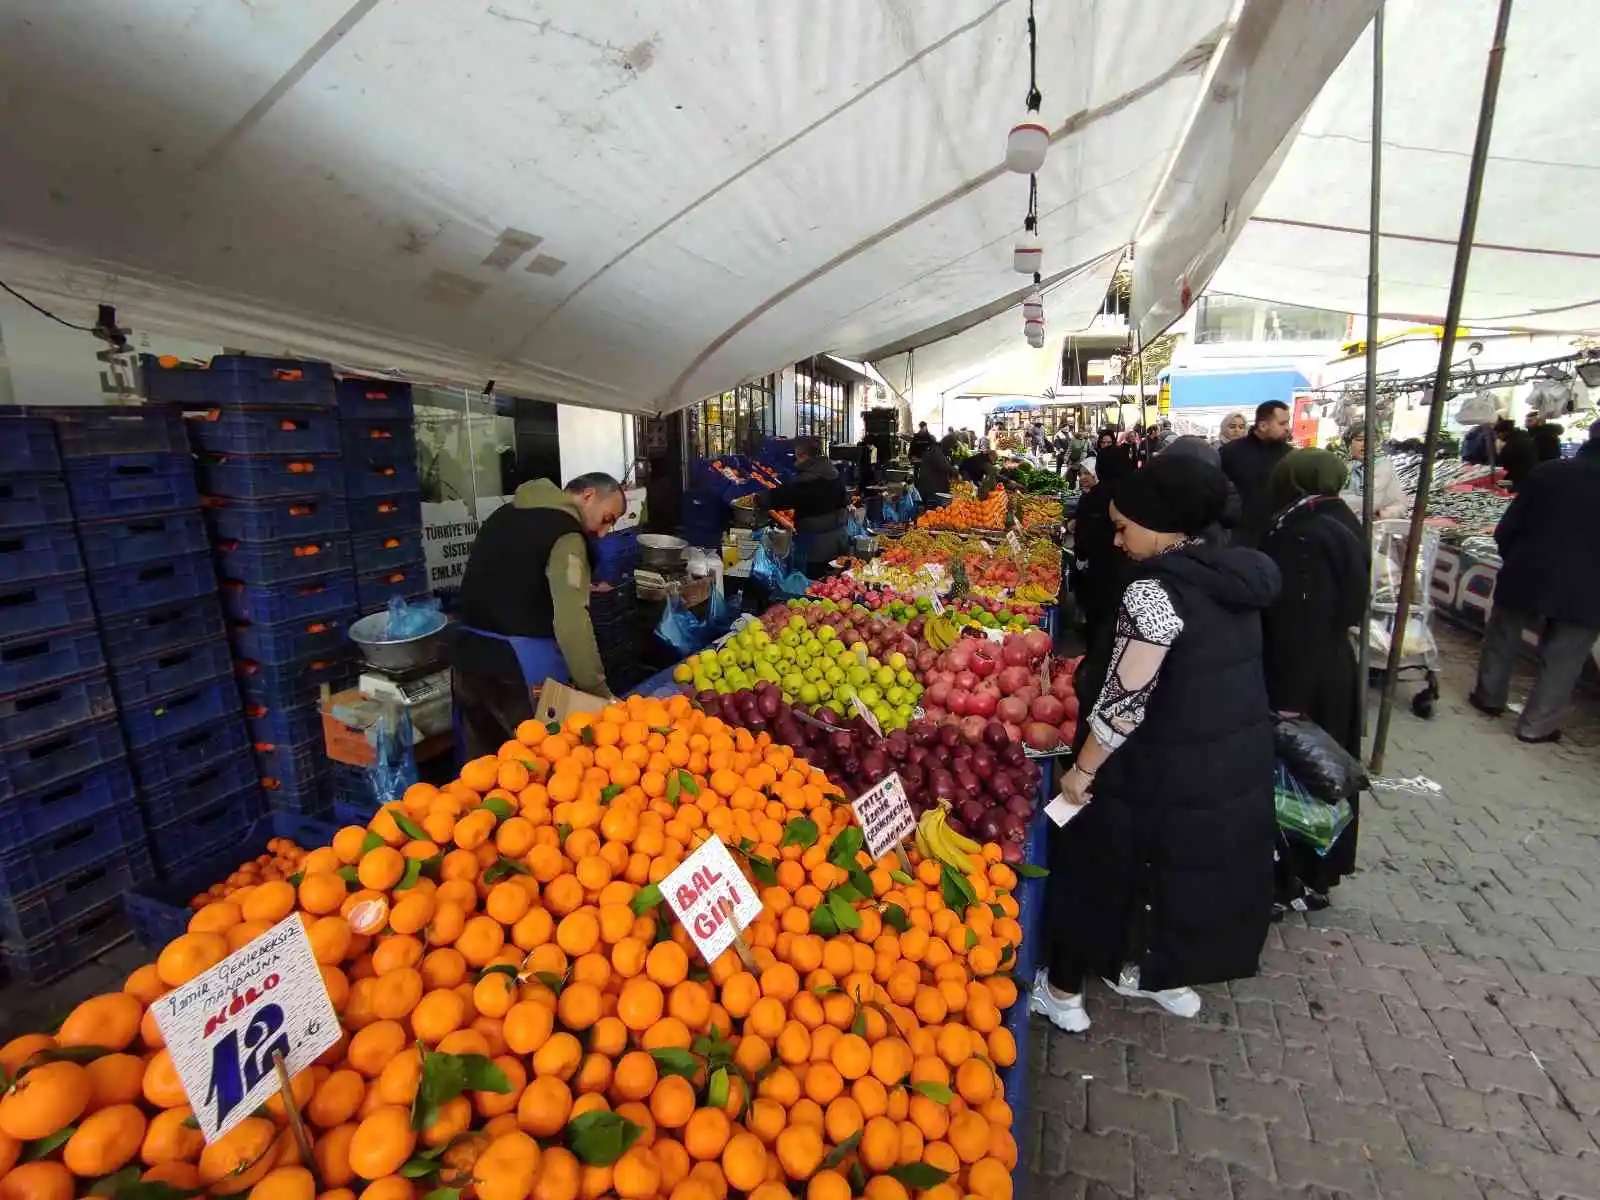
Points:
[(661, 551), (398, 654)]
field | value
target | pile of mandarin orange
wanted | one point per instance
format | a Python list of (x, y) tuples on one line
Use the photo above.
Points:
[(511, 918)]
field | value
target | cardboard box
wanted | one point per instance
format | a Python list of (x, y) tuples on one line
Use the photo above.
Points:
[(556, 702), (344, 742)]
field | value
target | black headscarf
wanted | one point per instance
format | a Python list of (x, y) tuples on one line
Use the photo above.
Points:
[(1172, 495)]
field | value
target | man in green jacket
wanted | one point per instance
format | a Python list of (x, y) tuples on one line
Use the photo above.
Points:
[(524, 605)]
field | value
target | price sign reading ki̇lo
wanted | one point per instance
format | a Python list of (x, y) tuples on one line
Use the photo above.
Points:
[(224, 1027), (885, 815), (710, 895)]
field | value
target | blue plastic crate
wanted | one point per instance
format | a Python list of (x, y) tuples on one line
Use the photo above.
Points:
[(373, 591), (204, 829), (28, 501), (271, 563), (276, 519), (272, 724), (373, 400), (166, 762), (38, 553), (44, 604), (289, 640), (198, 786), (234, 380), (29, 766), (129, 484), (150, 631), (282, 685), (266, 431), (308, 798), (163, 717), (40, 812), (377, 553), (153, 537), (96, 885), (67, 947), (615, 556), (373, 514), (332, 596), (291, 765), (171, 671), (36, 659), (121, 590), (160, 911), (45, 711), (354, 801), (384, 441), (38, 862), (247, 477), (372, 474), (27, 445), (97, 430)]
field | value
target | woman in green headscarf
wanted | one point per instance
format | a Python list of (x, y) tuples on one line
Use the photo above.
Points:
[(1309, 651)]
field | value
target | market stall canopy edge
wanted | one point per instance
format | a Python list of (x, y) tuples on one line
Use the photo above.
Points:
[(589, 203)]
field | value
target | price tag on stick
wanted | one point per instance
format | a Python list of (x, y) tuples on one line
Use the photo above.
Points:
[(709, 894), (885, 815), (227, 1028), (867, 715)]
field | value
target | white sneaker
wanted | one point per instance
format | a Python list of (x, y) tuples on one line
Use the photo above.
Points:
[(1180, 1002), (1066, 1013)]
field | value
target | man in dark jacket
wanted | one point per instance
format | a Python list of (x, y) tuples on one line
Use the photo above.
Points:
[(1514, 452), (1546, 437), (935, 472), (819, 501), (1248, 462), (1549, 542), (920, 441)]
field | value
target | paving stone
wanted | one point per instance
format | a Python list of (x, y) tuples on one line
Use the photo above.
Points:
[(1563, 1129), (1162, 1176), (1275, 1104), (1398, 1181), (1557, 1175), (1150, 1118), (1302, 1163), (1389, 1052), (1440, 1149), (1062, 1099), (1501, 1113), (1076, 1056), (1107, 1159), (1150, 1072), (1369, 1127), (1239, 1140), (1483, 1072)]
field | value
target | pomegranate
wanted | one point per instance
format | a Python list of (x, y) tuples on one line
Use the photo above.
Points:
[(1013, 679), (1049, 710)]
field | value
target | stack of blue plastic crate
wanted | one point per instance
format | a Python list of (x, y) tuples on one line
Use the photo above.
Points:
[(71, 842), (383, 490), (131, 480), (267, 443)]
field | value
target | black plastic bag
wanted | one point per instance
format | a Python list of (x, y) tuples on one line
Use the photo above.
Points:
[(1324, 768)]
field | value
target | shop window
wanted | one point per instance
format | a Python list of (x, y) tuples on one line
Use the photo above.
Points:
[(822, 407), (1222, 318), (734, 422)]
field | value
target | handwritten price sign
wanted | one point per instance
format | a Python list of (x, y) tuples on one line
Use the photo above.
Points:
[(885, 815), (709, 894), (223, 1028)]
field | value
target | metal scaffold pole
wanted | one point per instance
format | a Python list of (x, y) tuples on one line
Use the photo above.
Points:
[(1369, 452), (1441, 379)]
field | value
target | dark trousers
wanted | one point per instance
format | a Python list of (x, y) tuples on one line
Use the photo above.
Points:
[(1563, 649), (489, 709)]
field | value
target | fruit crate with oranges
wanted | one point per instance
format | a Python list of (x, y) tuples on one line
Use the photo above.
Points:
[(259, 477), (237, 380), (373, 400), (161, 912), (265, 431), (275, 519), (270, 563)]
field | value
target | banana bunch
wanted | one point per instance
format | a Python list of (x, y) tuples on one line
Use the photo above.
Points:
[(1034, 594), (936, 840), (939, 631)]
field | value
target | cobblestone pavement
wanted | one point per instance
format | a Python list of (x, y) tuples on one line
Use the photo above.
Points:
[(1435, 1034)]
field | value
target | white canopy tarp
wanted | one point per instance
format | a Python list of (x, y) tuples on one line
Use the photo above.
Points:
[(1536, 258), (623, 206)]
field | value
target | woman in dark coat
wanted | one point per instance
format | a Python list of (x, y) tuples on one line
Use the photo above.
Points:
[(1312, 670), (1163, 879)]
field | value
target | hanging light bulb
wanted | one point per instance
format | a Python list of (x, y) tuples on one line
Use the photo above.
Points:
[(1027, 256), (1033, 327), (1030, 137), (1026, 144)]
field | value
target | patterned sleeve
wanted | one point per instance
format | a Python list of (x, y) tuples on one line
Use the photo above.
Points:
[(1147, 626)]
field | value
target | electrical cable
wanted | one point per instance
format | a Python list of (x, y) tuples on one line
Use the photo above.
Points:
[(1034, 98), (42, 311)]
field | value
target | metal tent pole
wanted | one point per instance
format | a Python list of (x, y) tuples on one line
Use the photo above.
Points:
[(1441, 378), (1369, 454)]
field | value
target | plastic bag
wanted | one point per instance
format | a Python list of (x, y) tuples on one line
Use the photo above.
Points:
[(766, 570), (1324, 768), (855, 527), (394, 766), (680, 628), (719, 615), (412, 619), (1303, 815)]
